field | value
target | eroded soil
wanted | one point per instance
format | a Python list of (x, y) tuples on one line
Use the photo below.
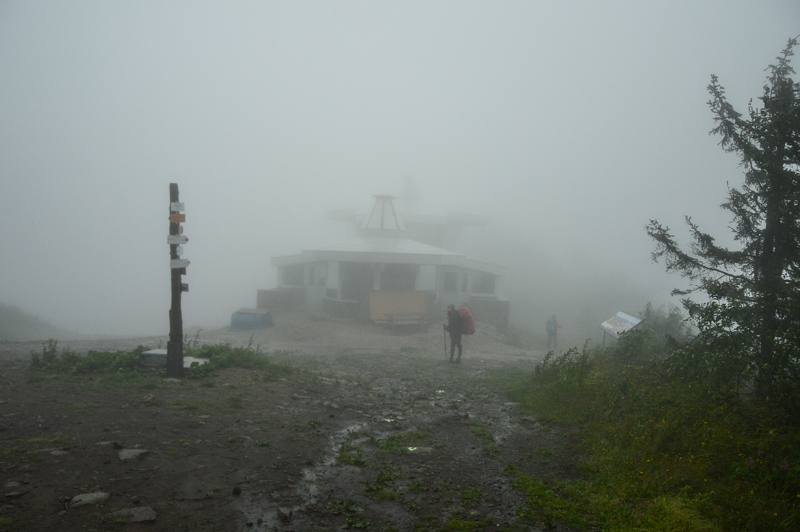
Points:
[(377, 438)]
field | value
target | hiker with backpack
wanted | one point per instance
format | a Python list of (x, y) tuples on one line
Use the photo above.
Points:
[(459, 322), (552, 332)]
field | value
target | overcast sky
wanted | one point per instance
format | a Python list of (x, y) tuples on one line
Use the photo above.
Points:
[(570, 124)]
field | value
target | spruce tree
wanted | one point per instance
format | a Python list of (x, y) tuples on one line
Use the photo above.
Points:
[(749, 330)]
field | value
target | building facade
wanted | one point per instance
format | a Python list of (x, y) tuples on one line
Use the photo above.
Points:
[(381, 273)]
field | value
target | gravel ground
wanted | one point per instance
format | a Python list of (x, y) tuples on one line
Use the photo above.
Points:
[(369, 429)]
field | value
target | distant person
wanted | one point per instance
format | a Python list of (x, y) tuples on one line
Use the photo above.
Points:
[(552, 332), (456, 328)]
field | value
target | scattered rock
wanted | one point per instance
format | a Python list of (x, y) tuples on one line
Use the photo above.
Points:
[(58, 453), (12, 484), (88, 498), (141, 514), (237, 490), (284, 513), (149, 397), (131, 454)]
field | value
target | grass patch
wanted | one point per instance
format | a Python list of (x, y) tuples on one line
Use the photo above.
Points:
[(126, 368), (221, 356), (665, 450), (383, 482), (120, 367), (545, 505), (31, 445), (350, 455), (483, 433), (357, 523), (416, 486), (345, 506), (470, 496), (384, 494)]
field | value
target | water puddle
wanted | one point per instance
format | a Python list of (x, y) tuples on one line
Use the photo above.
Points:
[(260, 510)]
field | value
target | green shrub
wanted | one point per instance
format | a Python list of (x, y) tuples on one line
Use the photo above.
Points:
[(222, 356), (126, 365), (93, 363), (666, 445)]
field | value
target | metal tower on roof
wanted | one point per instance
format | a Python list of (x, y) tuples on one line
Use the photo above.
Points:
[(384, 216)]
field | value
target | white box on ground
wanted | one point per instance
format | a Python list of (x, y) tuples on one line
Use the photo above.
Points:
[(158, 357)]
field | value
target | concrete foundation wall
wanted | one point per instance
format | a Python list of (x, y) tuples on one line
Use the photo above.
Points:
[(280, 299)]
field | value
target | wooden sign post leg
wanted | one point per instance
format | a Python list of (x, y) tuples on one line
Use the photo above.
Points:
[(175, 343)]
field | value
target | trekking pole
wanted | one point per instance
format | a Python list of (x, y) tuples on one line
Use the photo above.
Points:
[(444, 337)]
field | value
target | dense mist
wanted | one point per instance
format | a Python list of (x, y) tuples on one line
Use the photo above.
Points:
[(568, 125)]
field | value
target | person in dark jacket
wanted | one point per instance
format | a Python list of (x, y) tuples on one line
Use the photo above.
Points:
[(456, 328), (552, 332)]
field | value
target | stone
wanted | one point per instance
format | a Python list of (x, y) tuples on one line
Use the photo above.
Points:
[(141, 514), (131, 454), (284, 513), (88, 498)]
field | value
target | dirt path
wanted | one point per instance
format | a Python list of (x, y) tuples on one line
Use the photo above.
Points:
[(353, 437)]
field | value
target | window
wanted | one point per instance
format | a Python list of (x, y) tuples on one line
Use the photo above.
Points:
[(484, 284), (293, 275), (399, 277)]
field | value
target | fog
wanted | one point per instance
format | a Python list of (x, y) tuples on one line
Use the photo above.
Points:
[(568, 124)]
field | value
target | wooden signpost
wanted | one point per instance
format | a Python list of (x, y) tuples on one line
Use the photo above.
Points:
[(177, 268)]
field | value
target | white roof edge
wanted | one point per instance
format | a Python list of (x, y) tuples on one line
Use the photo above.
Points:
[(479, 266), (285, 260)]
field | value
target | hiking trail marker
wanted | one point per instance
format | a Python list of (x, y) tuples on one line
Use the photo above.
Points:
[(177, 267)]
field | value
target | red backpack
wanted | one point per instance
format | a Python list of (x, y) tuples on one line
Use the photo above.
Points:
[(466, 320)]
